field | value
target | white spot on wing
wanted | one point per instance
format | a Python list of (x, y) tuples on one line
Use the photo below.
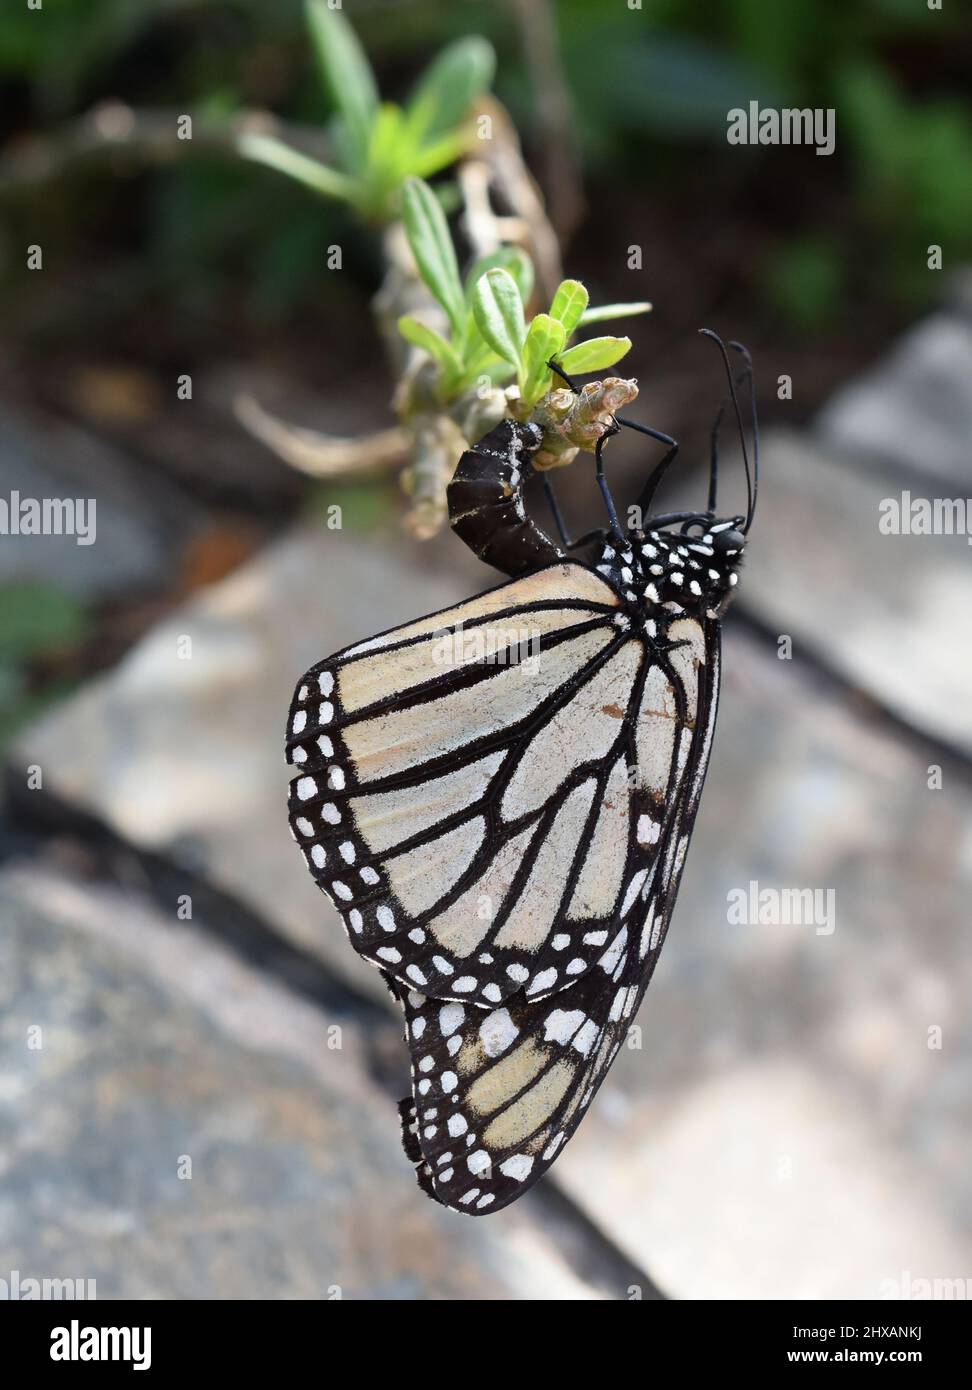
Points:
[(634, 887), (451, 1017), (517, 1166), (496, 1032), (585, 1038), (613, 953), (561, 1025)]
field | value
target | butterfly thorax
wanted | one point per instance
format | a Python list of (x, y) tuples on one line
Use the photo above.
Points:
[(664, 574)]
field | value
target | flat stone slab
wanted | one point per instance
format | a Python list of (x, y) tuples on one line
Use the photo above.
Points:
[(180, 749), (914, 409), (187, 1129), (784, 1130), (125, 541), (888, 611), (789, 1126)]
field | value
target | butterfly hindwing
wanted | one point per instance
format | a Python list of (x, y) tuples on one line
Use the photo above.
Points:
[(497, 1093)]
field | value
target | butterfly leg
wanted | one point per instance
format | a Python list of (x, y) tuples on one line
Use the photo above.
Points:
[(660, 469), (670, 518), (602, 483), (647, 429), (567, 380), (558, 515), (654, 480), (619, 420), (601, 534)]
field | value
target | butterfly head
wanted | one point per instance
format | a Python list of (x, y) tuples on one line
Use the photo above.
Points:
[(694, 569), (727, 541)]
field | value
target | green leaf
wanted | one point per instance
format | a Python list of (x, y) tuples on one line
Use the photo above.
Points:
[(346, 72), (387, 162), (384, 138), (421, 335), (435, 256), (478, 355), (489, 366), (545, 338), (569, 303), (418, 116), (511, 258), (268, 150), (594, 355), (430, 159), (450, 84), (498, 310), (614, 311)]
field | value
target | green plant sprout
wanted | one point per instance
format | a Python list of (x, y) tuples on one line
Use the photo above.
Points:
[(480, 356), (488, 333), (378, 145)]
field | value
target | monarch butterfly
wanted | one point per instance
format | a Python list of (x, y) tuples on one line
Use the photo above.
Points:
[(498, 799)]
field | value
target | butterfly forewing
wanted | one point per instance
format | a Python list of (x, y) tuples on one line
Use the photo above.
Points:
[(441, 791), (497, 798)]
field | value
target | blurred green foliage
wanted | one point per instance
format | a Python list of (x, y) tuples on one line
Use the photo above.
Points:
[(805, 280), (378, 144), (356, 506), (914, 164), (39, 623), (649, 84)]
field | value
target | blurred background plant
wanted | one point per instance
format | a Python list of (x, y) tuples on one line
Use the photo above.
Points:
[(641, 99), (41, 627), (378, 144), (168, 257)]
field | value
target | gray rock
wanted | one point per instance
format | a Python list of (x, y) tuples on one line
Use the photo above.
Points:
[(785, 1129), (185, 753), (138, 522), (887, 611), (159, 1047), (959, 291), (915, 408)]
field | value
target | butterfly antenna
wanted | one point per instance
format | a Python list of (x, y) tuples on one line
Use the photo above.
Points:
[(708, 333), (744, 354), (714, 461)]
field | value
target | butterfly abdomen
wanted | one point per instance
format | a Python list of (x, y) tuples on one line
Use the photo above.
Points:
[(486, 501)]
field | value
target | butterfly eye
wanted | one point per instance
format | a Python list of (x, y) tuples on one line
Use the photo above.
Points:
[(726, 542)]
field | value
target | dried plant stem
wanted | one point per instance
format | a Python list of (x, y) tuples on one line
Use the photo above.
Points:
[(555, 117), (323, 455), (515, 185), (113, 130)]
